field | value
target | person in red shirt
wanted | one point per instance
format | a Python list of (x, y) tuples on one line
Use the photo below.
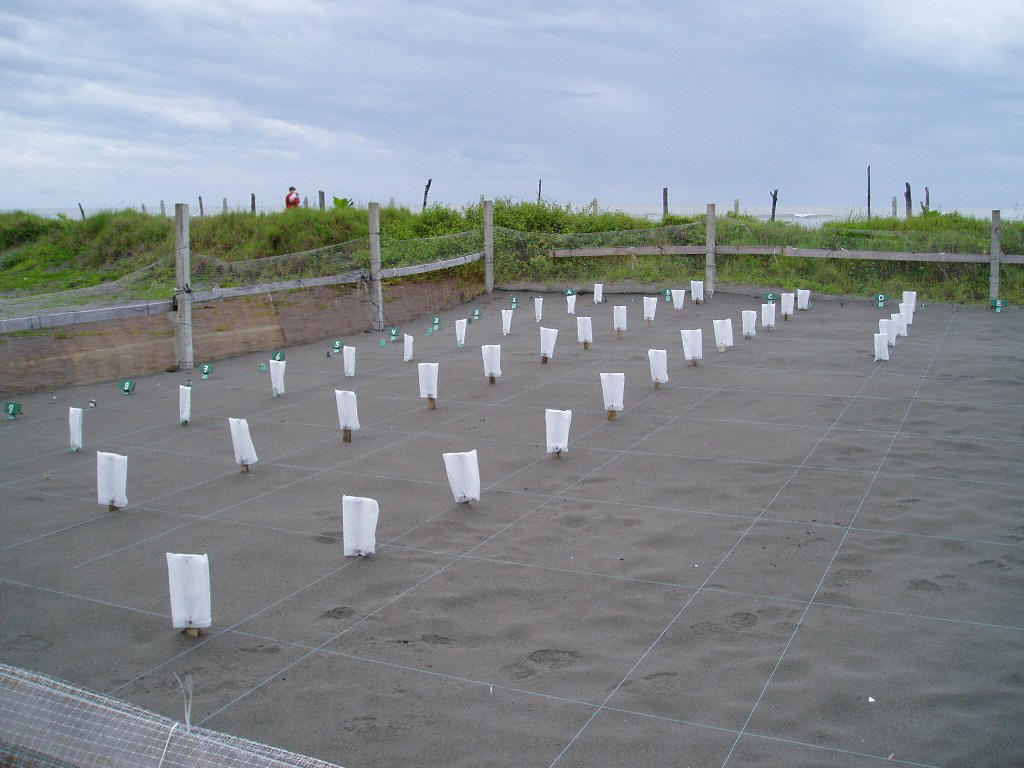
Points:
[(291, 200)]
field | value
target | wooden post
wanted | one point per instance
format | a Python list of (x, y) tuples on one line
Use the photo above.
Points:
[(305, 202), (490, 380), (323, 200), (488, 210), (775, 200), (736, 207), (869, 191), (709, 261), (538, 190), (994, 254), (224, 207), (163, 211), (183, 290), (927, 200), (376, 289), (586, 345), (894, 206), (143, 209), (611, 415), (81, 210), (200, 206), (252, 202), (431, 404), (664, 202), (346, 435), (906, 197), (426, 189), (192, 631)]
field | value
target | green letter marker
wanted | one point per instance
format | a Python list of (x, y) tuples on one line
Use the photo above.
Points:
[(770, 297), (998, 304), (881, 298)]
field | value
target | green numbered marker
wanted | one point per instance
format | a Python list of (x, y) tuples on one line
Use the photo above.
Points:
[(436, 321), (337, 345), (476, 313), (127, 386), (515, 302), (263, 367), (206, 369), (770, 297), (12, 409), (278, 356), (570, 292), (998, 304), (668, 294), (881, 298)]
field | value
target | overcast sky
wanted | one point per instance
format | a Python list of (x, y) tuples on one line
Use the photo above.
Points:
[(116, 104)]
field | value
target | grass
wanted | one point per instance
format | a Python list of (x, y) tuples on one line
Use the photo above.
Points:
[(45, 255)]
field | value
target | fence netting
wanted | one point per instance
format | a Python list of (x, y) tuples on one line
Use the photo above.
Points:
[(47, 723)]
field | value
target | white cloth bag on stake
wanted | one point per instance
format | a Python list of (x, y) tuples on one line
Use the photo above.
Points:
[(584, 330), (901, 324), (881, 346), (768, 316), (506, 322), (697, 291), (890, 329), (803, 298), (598, 293), (693, 345), (111, 479), (570, 303), (619, 319), (659, 365), (245, 453), (556, 427), (349, 354), (75, 428), (749, 319), (348, 409), (184, 404), (613, 388), (910, 297), (787, 305), (491, 354), (277, 377), (460, 332), (428, 379), (538, 307), (723, 333), (463, 475), (547, 342), (188, 578), (407, 342), (678, 298), (650, 307), (359, 525), (907, 312)]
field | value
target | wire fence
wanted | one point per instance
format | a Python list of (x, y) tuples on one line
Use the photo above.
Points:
[(47, 723)]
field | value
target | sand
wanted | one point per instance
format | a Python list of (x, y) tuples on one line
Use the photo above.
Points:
[(788, 555)]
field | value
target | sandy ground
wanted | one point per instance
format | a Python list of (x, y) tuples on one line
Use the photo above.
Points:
[(789, 555)]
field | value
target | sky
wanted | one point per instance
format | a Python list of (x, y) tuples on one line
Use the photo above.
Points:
[(118, 104)]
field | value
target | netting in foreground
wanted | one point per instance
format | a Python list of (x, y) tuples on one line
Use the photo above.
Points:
[(46, 723)]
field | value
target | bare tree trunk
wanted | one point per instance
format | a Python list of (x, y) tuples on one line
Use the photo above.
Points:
[(906, 197), (775, 200), (81, 210), (426, 189)]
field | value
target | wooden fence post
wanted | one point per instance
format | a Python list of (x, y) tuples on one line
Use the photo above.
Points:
[(200, 207), (81, 210), (323, 200), (664, 202), (252, 202), (736, 207), (869, 191), (894, 206), (709, 262), (183, 289), (906, 197), (225, 206), (775, 201), (994, 254), (376, 289), (489, 245), (163, 211)]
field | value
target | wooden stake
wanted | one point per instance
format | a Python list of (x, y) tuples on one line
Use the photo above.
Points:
[(618, 334), (431, 404), (346, 435), (558, 454), (611, 415), (426, 189), (775, 200), (544, 359), (490, 379), (111, 507), (245, 467), (657, 385), (586, 345), (693, 362), (192, 631), (647, 322)]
